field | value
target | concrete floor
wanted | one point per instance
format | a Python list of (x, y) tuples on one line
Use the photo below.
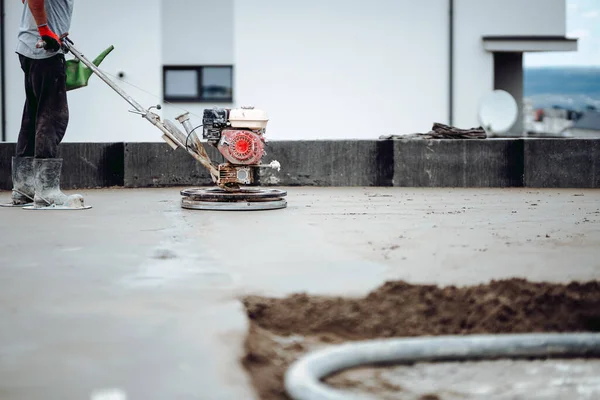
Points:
[(485, 380), (141, 295)]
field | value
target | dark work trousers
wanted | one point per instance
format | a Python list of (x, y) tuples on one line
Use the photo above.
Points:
[(46, 112)]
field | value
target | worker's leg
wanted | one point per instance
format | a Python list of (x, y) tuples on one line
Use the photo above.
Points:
[(22, 163), (48, 78), (26, 140)]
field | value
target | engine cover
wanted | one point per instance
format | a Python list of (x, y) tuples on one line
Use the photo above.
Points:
[(213, 121), (241, 147)]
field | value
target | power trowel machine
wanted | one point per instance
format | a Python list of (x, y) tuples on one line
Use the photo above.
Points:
[(238, 134)]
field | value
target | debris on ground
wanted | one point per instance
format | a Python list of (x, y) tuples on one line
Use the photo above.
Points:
[(282, 330), (441, 131)]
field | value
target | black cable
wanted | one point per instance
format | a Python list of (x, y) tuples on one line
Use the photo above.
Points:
[(188, 138), (190, 134)]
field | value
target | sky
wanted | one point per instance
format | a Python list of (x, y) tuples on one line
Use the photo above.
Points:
[(583, 22)]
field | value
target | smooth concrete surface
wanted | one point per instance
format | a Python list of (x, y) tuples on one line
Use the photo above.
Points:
[(485, 380), (141, 295)]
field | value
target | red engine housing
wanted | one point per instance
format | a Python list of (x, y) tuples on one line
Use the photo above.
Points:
[(242, 147)]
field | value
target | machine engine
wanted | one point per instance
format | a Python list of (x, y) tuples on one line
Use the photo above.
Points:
[(238, 134)]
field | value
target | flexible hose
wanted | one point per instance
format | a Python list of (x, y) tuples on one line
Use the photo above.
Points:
[(303, 378)]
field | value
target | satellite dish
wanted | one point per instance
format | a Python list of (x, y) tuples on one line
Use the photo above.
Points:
[(498, 112)]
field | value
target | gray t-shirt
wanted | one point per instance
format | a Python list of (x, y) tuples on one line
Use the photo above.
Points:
[(59, 14)]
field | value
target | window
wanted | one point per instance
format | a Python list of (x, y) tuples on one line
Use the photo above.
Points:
[(198, 83)]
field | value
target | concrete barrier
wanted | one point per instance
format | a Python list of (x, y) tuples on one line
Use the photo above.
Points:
[(329, 163), (91, 165), (415, 163), (458, 163), (85, 165), (7, 150), (562, 163), (157, 165)]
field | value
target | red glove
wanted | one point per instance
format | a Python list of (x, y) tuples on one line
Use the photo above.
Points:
[(52, 41)]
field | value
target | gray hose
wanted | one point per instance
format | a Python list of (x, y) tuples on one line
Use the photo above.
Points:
[(303, 378)]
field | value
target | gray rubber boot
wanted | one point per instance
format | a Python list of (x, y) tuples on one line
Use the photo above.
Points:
[(47, 186), (22, 177)]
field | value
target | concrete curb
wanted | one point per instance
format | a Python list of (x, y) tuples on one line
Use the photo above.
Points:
[(562, 163), (90, 165), (539, 163), (327, 163), (411, 163), (85, 165), (459, 163), (7, 150), (157, 165)]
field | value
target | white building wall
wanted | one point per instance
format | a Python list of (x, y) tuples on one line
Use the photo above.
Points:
[(343, 68), (15, 92), (474, 67), (97, 114), (198, 32), (322, 69)]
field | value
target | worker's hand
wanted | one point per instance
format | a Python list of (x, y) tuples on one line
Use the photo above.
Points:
[(51, 40)]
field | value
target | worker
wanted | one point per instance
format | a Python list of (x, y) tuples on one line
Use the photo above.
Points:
[(36, 168)]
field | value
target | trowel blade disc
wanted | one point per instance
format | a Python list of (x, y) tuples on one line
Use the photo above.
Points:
[(243, 194), (11, 205), (57, 208), (233, 205)]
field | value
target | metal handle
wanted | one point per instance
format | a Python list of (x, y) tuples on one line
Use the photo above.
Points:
[(146, 113)]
